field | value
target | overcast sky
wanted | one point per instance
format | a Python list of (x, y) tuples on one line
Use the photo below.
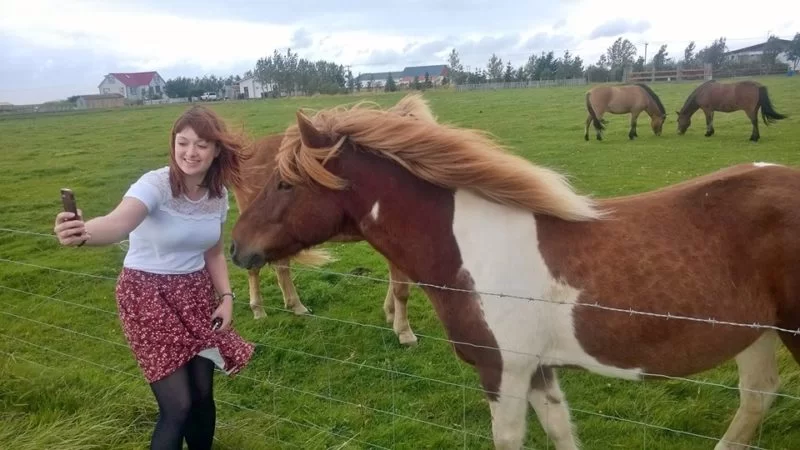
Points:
[(51, 49)]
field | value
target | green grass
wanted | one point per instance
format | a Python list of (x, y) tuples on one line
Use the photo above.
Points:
[(68, 381)]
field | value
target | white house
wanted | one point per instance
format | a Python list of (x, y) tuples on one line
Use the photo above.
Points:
[(250, 87), (753, 53), (134, 86)]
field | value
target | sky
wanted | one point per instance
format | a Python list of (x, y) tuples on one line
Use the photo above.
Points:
[(52, 49)]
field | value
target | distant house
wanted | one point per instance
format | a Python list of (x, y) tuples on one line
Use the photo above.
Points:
[(753, 53), (134, 86), (250, 87), (100, 101), (436, 73), (378, 79)]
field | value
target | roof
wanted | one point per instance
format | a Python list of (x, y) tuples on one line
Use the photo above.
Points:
[(133, 79), (757, 47), (379, 76), (419, 71)]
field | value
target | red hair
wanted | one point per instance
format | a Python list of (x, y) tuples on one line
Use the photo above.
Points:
[(225, 170)]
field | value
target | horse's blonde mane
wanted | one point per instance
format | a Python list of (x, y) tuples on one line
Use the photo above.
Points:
[(444, 155)]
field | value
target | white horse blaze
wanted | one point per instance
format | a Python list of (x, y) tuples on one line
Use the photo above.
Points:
[(499, 247), (375, 210)]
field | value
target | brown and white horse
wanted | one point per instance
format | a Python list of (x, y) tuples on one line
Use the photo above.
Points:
[(526, 275), (261, 161)]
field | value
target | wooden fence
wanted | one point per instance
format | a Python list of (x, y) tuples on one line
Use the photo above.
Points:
[(520, 84), (679, 74)]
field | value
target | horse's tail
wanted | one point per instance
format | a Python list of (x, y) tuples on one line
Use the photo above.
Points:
[(768, 113), (597, 124), (313, 257)]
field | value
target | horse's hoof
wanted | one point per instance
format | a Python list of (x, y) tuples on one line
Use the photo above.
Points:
[(300, 310), (258, 312), (408, 339), (586, 138)]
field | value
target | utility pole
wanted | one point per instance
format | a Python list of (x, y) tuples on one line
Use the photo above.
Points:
[(645, 53)]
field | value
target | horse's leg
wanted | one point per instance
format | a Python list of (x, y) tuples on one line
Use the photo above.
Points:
[(586, 129), (753, 116), (399, 291), (256, 304), (290, 298), (509, 409), (709, 121), (758, 382), (551, 408), (634, 118)]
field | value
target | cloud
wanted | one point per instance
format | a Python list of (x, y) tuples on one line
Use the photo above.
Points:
[(616, 27)]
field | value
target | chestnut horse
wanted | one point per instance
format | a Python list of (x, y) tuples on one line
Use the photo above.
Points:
[(260, 162), (527, 276), (747, 96), (624, 99)]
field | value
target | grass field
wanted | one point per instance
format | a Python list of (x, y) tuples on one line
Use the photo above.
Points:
[(337, 379)]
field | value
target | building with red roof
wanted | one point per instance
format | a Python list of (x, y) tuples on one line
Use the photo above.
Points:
[(133, 85)]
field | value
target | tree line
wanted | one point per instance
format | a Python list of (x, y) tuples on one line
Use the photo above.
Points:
[(288, 73)]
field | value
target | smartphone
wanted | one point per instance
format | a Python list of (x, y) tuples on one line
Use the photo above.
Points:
[(68, 200), (216, 323)]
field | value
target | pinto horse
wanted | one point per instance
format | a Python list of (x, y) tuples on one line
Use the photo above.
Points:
[(711, 96), (261, 161), (527, 276), (624, 99)]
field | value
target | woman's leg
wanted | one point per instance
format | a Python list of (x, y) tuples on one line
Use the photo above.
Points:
[(200, 428), (173, 394)]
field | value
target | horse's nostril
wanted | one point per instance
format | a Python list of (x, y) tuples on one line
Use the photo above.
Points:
[(233, 248)]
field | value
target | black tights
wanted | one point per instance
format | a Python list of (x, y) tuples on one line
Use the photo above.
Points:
[(186, 407)]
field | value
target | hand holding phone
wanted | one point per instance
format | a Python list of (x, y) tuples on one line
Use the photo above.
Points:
[(69, 226)]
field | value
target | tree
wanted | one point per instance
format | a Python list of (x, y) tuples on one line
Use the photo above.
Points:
[(772, 49), (509, 73), (714, 54), (456, 69), (621, 53), (688, 53), (794, 51), (391, 86), (427, 84), (495, 68), (660, 58)]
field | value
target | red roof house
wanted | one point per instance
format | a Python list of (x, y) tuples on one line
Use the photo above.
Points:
[(133, 85)]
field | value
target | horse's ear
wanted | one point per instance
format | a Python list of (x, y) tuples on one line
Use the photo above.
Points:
[(309, 135)]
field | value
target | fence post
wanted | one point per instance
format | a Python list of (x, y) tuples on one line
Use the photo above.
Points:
[(678, 70), (653, 74), (707, 74), (626, 73)]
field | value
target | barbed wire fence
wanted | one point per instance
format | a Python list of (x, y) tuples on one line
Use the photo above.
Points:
[(11, 310)]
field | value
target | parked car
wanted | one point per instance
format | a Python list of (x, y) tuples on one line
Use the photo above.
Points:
[(209, 96)]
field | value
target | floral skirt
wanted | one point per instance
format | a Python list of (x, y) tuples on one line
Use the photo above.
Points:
[(167, 322)]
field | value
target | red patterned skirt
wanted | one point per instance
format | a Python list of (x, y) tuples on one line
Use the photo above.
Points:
[(167, 321)]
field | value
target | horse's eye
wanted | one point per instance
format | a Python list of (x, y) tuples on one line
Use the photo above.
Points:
[(282, 185)]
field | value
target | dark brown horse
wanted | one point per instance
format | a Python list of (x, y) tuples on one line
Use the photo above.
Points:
[(260, 164), (526, 275), (629, 98), (747, 96)]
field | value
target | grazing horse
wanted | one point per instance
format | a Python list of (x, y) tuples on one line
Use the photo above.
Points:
[(526, 275), (624, 99), (711, 96), (261, 161)]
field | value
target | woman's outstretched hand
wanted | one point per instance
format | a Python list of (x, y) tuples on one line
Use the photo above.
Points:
[(70, 230)]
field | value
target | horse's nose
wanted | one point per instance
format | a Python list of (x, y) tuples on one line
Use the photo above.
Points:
[(233, 248)]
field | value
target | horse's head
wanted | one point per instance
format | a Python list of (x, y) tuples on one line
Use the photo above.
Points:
[(657, 123), (288, 216), (684, 120)]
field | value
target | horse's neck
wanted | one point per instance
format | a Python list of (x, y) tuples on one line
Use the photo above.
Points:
[(690, 107)]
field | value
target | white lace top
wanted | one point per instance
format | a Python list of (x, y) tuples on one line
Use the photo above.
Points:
[(177, 231)]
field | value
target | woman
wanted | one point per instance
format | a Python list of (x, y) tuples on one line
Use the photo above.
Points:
[(174, 283)]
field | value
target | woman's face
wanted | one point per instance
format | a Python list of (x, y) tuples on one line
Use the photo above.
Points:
[(194, 155)]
